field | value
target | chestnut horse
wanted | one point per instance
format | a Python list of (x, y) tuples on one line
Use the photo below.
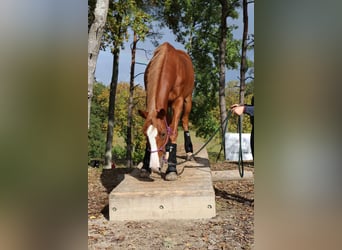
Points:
[(169, 82)]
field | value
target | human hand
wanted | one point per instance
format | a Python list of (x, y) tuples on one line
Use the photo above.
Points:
[(237, 109)]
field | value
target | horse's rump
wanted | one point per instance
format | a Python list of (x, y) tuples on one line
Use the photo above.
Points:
[(168, 76)]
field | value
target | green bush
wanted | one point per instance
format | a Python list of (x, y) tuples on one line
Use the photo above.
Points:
[(118, 152), (138, 156)]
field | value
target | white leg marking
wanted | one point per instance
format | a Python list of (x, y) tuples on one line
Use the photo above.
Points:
[(154, 159)]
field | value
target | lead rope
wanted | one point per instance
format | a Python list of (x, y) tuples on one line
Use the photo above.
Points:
[(240, 161), (206, 143), (240, 166)]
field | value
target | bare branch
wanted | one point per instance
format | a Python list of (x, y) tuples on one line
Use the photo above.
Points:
[(139, 74), (248, 77), (147, 52)]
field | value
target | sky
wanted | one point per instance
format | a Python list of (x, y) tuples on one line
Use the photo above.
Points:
[(103, 71)]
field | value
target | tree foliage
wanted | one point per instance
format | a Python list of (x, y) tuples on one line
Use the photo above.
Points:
[(138, 139), (91, 16), (97, 14), (98, 127), (233, 96), (122, 14), (207, 124), (197, 24)]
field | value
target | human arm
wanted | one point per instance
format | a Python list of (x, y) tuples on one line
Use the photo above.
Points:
[(240, 109), (249, 110)]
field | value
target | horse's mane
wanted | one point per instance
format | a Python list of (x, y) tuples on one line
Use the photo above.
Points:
[(153, 75)]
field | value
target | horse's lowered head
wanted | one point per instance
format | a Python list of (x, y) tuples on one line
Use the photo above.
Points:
[(157, 133)]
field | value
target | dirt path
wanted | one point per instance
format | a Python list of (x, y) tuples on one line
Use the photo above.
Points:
[(232, 228)]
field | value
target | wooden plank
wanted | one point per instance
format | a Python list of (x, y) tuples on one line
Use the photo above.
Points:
[(230, 175), (191, 196)]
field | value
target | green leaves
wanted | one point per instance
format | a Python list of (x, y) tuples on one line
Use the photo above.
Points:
[(122, 15), (197, 25), (98, 121), (139, 23), (98, 118)]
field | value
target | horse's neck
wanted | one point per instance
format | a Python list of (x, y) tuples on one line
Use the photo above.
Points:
[(157, 97), (151, 103)]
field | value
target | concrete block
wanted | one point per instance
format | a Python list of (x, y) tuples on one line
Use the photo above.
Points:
[(191, 196)]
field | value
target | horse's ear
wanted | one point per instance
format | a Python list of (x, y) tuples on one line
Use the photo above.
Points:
[(161, 114), (143, 114)]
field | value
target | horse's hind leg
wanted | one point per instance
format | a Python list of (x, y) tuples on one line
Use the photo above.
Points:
[(185, 120)]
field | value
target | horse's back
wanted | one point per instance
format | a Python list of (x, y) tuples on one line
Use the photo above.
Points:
[(179, 69), (169, 75), (187, 69)]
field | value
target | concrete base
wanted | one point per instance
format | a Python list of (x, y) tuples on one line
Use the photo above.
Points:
[(191, 196), (230, 175)]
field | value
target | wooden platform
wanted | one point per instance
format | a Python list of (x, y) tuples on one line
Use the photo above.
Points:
[(191, 196)]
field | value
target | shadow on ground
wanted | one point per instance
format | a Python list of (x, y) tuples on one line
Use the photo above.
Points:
[(234, 197), (111, 178)]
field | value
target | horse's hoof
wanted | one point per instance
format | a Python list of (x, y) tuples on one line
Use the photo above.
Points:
[(144, 173), (156, 170), (189, 156), (171, 176)]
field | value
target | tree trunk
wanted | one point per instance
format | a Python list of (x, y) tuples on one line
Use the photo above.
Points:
[(111, 108), (244, 67), (130, 105), (222, 62), (94, 42)]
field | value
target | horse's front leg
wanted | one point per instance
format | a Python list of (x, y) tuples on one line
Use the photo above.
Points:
[(171, 172), (171, 148), (146, 170)]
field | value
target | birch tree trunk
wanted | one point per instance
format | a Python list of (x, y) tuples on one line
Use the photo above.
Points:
[(222, 62), (94, 42)]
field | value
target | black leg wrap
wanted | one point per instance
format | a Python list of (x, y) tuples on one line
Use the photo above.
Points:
[(146, 161), (172, 161), (187, 142)]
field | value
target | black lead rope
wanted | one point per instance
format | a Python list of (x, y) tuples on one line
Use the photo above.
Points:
[(218, 129), (241, 168), (240, 161), (225, 122), (205, 144)]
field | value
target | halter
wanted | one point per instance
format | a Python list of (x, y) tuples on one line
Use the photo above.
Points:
[(169, 132)]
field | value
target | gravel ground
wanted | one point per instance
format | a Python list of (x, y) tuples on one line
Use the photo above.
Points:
[(232, 228)]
